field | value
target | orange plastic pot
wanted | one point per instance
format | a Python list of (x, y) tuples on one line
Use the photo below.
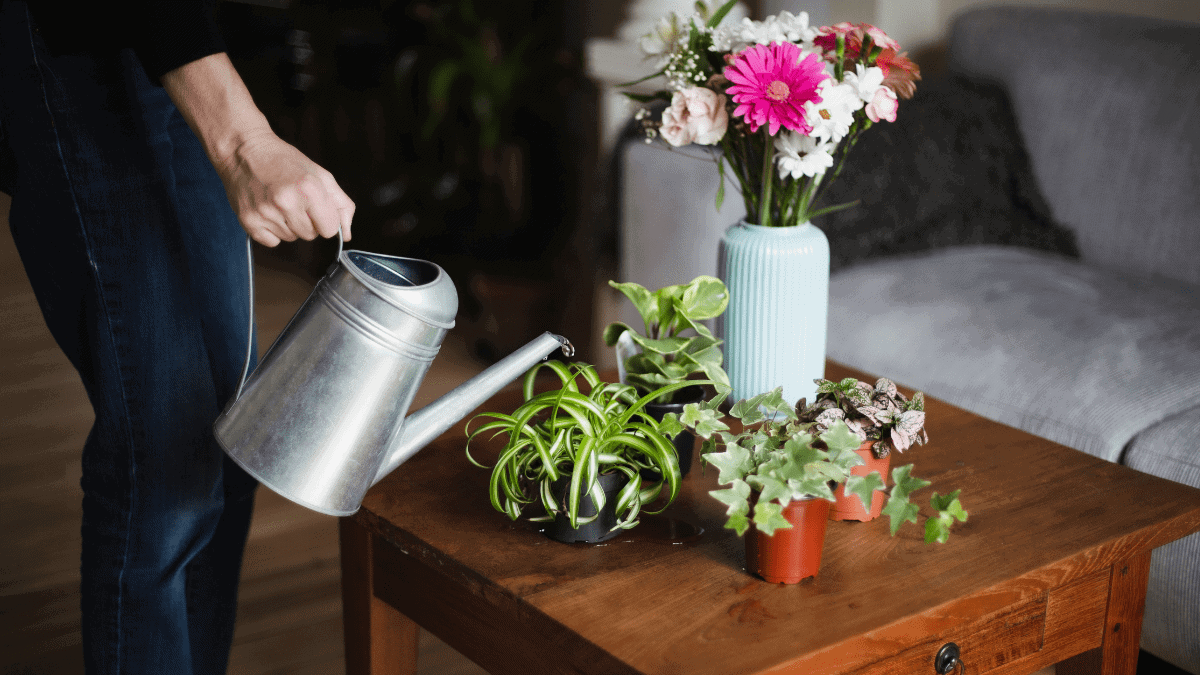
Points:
[(794, 554), (849, 506)]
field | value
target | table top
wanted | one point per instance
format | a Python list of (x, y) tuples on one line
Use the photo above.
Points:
[(1041, 516)]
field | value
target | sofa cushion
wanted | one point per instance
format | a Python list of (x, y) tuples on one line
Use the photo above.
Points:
[(1171, 449), (1078, 354), (1107, 105), (951, 170)]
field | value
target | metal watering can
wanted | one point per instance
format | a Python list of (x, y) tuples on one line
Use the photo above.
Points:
[(322, 418)]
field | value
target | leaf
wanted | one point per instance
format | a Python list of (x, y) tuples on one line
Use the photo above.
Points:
[(613, 331), (904, 484), (733, 464), (840, 440), (770, 489), (645, 301), (864, 487), (949, 504), (666, 346), (738, 523), (720, 13), (670, 426), (704, 298), (720, 182), (900, 511), (702, 420), (937, 528), (768, 517), (736, 498)]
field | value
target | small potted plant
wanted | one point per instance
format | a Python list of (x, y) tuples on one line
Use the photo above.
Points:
[(779, 475), (581, 451), (675, 347), (882, 419)]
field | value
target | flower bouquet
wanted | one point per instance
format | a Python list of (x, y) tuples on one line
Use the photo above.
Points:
[(782, 101)]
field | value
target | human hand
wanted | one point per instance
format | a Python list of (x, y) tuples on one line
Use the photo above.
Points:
[(279, 194)]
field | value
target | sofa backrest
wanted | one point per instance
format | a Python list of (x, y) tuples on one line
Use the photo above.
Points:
[(1109, 108)]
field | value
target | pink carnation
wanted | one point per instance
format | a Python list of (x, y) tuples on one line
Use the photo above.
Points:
[(697, 115), (854, 35), (771, 84), (883, 105)]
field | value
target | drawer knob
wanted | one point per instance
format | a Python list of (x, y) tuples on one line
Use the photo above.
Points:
[(947, 659)]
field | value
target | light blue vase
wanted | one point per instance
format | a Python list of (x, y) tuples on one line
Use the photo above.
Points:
[(774, 328)]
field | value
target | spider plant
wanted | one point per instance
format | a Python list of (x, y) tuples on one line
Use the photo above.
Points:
[(582, 429)]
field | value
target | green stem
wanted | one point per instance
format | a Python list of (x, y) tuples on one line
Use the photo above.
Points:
[(764, 215)]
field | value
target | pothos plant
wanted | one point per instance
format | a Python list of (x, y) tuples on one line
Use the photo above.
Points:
[(879, 413), (668, 356), (775, 459), (580, 430)]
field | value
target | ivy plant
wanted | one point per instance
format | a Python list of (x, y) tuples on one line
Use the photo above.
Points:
[(775, 459), (880, 413), (581, 429), (675, 344)]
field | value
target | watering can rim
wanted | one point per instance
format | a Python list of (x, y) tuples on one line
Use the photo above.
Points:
[(383, 292)]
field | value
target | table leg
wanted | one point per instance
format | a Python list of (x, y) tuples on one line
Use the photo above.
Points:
[(379, 639), (1118, 654)]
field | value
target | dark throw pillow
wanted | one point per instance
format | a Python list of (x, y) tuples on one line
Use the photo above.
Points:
[(951, 170)]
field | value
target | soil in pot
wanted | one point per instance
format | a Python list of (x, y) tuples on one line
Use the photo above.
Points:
[(794, 554), (684, 441), (849, 506), (598, 530)]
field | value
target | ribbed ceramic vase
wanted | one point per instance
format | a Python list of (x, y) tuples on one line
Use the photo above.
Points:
[(774, 328)]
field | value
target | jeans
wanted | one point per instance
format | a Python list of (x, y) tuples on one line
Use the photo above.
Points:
[(139, 267)]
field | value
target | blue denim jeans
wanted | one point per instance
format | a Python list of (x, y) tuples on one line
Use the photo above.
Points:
[(138, 264)]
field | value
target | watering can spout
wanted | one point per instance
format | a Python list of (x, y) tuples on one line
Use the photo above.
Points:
[(426, 424)]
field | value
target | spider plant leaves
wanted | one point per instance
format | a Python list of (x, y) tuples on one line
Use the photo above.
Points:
[(576, 432)]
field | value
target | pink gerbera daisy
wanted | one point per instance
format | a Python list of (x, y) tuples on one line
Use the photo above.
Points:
[(771, 84)]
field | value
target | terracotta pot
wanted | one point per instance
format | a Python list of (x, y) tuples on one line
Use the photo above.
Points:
[(849, 506), (794, 554)]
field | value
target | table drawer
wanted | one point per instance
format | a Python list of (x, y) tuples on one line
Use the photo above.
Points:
[(1006, 637)]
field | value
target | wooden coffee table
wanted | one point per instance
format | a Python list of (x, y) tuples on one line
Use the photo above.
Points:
[(1052, 565)]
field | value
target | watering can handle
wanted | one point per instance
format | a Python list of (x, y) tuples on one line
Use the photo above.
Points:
[(250, 326)]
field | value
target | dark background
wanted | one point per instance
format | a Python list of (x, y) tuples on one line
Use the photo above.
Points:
[(465, 133)]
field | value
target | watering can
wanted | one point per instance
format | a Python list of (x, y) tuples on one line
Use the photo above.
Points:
[(322, 417)]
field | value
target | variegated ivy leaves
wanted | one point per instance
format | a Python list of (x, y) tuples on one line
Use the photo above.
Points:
[(879, 413), (775, 459)]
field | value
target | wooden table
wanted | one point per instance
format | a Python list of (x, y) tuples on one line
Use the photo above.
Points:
[(1052, 565)]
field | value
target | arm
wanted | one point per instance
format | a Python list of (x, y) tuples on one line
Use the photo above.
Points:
[(275, 190)]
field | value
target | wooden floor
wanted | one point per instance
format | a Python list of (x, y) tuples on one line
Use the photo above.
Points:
[(290, 608)]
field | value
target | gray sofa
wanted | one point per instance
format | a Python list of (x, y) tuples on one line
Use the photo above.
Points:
[(1100, 350), (1100, 353)]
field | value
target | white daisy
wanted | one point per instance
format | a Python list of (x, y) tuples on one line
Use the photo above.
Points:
[(865, 81), (799, 155), (831, 118)]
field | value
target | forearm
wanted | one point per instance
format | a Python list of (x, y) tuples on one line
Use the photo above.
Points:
[(217, 106)]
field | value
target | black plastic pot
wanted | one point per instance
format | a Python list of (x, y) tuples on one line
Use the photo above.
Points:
[(599, 529), (684, 441)]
